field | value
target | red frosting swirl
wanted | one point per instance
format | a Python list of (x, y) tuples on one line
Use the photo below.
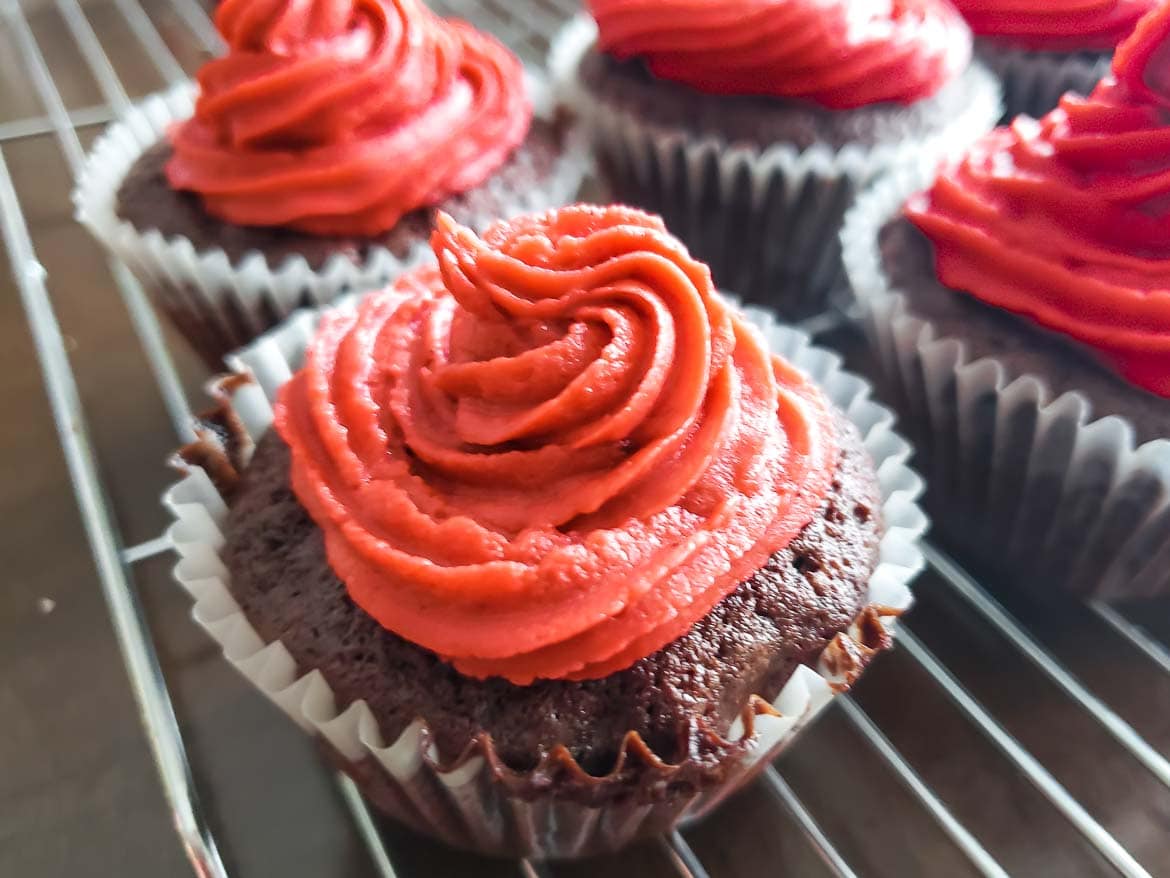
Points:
[(1067, 220), (1055, 25), (337, 117), (836, 53), (553, 453)]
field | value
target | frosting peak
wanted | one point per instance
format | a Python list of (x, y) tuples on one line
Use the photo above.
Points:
[(1066, 220), (552, 453), (836, 53), (338, 117), (1055, 25)]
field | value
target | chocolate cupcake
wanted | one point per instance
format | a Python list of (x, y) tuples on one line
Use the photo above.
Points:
[(312, 158), (750, 127), (546, 543), (1021, 311), (1046, 49)]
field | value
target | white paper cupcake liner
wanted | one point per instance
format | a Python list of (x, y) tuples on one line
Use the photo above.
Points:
[(464, 803), (221, 304), (1044, 490), (1033, 82), (766, 221)]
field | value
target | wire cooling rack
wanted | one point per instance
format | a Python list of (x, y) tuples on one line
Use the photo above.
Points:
[(1006, 734)]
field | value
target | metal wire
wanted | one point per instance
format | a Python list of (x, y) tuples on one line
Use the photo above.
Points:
[(95, 56), (808, 825), (38, 125), (148, 35), (366, 827), (196, 18), (998, 618), (1025, 762), (130, 626), (1137, 636), (43, 82), (148, 549), (958, 833), (142, 316), (684, 860)]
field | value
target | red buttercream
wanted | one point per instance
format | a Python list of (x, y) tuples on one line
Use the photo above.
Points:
[(553, 453), (1055, 25), (337, 117), (1067, 220), (836, 53)]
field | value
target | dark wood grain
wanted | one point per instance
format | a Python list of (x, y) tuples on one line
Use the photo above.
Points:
[(78, 793)]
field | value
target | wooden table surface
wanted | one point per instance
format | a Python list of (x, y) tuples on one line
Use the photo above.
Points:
[(78, 792)]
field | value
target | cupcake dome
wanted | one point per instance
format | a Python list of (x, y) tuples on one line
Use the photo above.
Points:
[(537, 465), (749, 126), (1066, 221), (560, 533), (312, 157), (1021, 307)]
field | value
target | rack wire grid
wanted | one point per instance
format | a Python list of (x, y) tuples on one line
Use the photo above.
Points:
[(1006, 734)]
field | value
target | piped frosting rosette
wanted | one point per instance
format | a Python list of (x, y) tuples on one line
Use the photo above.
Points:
[(839, 55), (1055, 25), (553, 454), (338, 117)]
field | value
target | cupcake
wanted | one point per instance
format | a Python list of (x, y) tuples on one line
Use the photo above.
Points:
[(549, 545), (312, 159), (1046, 49), (750, 126), (1020, 307)]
